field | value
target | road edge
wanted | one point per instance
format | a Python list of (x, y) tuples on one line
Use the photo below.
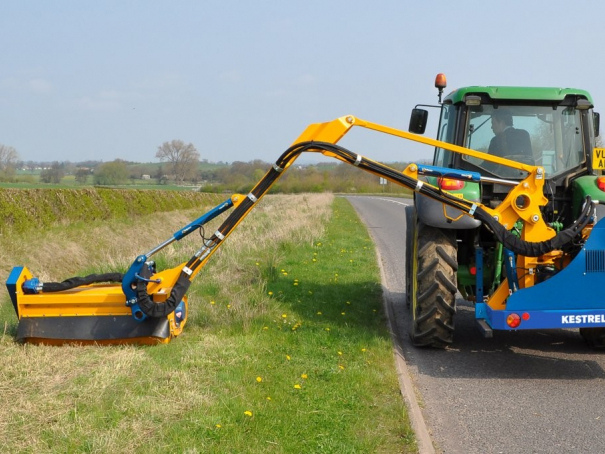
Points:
[(423, 437)]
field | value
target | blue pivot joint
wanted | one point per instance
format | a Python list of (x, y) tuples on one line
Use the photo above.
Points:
[(32, 286), (133, 275)]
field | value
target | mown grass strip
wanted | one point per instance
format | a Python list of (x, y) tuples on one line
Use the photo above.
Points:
[(286, 350)]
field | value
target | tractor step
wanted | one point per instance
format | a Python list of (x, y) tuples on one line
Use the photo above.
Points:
[(485, 329)]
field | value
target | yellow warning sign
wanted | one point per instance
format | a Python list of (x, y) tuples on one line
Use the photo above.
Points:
[(598, 158)]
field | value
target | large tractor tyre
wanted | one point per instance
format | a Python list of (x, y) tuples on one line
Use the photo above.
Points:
[(595, 337), (410, 225), (433, 286)]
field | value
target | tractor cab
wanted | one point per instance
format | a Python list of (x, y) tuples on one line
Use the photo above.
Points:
[(550, 127), (554, 128)]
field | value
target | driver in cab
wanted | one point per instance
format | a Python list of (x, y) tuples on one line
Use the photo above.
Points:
[(509, 141)]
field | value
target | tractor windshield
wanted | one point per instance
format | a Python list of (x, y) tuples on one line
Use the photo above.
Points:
[(538, 135)]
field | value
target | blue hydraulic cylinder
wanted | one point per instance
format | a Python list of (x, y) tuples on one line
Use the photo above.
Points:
[(132, 276), (436, 171), (479, 275), (510, 264)]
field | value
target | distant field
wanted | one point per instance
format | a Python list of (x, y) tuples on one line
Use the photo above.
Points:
[(29, 179), (69, 182)]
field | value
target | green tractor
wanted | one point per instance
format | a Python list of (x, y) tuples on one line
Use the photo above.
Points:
[(448, 252)]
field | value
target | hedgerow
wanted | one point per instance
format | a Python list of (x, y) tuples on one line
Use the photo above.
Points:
[(24, 209)]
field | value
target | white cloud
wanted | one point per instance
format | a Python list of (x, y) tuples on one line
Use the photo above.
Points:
[(305, 79), (37, 85), (160, 82), (40, 86), (231, 76), (109, 101)]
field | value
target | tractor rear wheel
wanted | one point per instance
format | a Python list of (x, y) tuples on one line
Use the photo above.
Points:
[(432, 276)]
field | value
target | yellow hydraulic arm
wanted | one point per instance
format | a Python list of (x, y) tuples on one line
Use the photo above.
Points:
[(523, 202), (158, 294)]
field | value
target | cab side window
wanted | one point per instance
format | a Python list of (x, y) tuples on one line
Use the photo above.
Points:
[(446, 133)]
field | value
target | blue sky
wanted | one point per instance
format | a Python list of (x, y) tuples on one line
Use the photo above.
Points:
[(102, 80)]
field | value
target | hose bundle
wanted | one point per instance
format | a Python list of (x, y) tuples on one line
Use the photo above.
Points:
[(73, 282)]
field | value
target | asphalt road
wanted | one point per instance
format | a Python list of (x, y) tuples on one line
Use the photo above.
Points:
[(519, 392)]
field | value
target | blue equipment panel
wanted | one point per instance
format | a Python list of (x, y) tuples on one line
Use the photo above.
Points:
[(572, 298)]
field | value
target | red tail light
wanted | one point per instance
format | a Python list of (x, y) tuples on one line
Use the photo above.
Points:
[(601, 183), (513, 320), (449, 184)]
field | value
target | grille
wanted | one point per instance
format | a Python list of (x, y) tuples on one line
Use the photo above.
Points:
[(595, 261)]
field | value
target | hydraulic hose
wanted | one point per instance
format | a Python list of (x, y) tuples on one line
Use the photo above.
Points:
[(510, 241), (35, 286), (531, 249), (157, 310)]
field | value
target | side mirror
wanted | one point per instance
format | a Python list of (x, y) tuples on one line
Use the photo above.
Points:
[(596, 117), (418, 121)]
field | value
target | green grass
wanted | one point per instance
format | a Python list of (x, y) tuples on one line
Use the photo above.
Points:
[(286, 350)]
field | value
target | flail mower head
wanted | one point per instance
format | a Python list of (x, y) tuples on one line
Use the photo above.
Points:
[(88, 314)]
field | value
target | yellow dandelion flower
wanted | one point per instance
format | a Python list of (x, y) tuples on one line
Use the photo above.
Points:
[(259, 379), (248, 413), (265, 328), (296, 283), (283, 270), (228, 306), (212, 302), (288, 357), (340, 353), (341, 367), (285, 274), (335, 274), (270, 293), (363, 349), (297, 386), (342, 313), (327, 329), (218, 426), (318, 312), (284, 315), (315, 260), (304, 376), (268, 398), (257, 264)]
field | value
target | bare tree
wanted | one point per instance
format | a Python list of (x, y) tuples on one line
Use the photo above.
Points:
[(182, 157), (8, 157), (82, 175), (53, 175)]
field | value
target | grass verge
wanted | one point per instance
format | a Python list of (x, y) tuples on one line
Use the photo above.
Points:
[(286, 350)]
